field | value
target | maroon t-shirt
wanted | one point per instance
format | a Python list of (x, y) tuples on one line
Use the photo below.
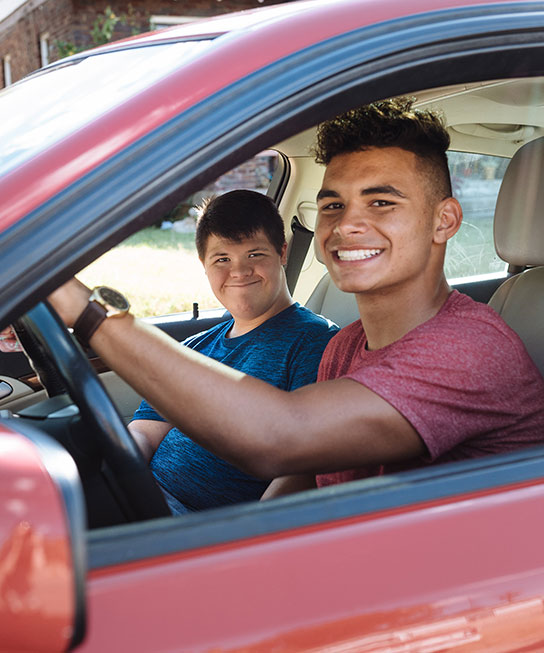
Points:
[(463, 379)]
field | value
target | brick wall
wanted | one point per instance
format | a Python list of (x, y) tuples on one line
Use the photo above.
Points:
[(72, 21), (20, 33)]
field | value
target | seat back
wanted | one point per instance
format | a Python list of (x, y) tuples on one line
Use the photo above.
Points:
[(519, 240), (329, 301)]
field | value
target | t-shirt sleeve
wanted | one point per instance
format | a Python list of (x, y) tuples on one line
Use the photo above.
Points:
[(145, 411), (451, 387)]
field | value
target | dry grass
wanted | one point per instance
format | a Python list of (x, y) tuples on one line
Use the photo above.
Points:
[(158, 271)]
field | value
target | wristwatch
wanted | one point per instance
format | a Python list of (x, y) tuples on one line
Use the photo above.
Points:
[(104, 302)]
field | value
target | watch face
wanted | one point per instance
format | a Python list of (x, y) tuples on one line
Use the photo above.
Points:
[(113, 298)]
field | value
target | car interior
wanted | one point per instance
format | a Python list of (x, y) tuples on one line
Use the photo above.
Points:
[(497, 150)]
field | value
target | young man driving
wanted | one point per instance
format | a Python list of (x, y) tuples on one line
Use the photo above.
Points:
[(426, 375), (240, 241)]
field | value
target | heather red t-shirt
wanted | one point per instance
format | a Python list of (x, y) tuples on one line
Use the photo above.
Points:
[(463, 379)]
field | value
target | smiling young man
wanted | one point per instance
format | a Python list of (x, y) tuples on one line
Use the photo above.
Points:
[(425, 375), (240, 241)]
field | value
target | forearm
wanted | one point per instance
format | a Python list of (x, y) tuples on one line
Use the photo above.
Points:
[(141, 440), (265, 431), (148, 434)]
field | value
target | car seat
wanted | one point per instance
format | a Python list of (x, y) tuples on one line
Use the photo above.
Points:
[(327, 300), (519, 240)]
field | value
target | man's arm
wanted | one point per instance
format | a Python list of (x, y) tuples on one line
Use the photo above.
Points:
[(265, 431), (148, 434)]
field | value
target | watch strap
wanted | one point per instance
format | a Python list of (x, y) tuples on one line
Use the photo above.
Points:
[(88, 322)]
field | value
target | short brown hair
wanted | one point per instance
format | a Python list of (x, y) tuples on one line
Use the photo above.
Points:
[(390, 123), (236, 215)]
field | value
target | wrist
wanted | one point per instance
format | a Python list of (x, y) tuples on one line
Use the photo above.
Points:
[(102, 303)]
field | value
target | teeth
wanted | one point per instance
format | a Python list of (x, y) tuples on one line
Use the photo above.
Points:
[(357, 254)]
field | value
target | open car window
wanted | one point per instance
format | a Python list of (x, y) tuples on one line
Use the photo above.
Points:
[(476, 179), (173, 279)]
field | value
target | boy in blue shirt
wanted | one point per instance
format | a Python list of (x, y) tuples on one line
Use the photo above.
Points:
[(240, 241)]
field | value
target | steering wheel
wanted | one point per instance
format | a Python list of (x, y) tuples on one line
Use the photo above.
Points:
[(58, 358)]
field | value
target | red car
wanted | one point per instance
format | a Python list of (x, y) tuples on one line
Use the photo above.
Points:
[(105, 143)]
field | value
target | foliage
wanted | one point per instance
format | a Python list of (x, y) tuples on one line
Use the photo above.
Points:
[(102, 31), (66, 49), (103, 27)]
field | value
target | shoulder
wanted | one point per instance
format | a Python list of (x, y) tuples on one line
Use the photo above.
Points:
[(298, 322), (465, 337), (307, 319), (204, 337), (473, 324)]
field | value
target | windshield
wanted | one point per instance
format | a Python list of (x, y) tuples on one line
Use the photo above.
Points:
[(45, 108)]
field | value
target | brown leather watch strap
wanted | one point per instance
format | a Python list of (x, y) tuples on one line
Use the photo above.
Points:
[(88, 322)]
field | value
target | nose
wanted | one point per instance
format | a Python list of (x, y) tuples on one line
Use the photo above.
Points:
[(240, 268), (351, 220)]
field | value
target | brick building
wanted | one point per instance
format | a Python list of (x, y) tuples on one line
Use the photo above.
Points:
[(36, 32)]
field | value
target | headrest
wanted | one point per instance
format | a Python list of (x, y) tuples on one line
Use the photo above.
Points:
[(519, 214)]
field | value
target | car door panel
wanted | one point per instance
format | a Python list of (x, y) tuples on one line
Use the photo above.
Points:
[(344, 584)]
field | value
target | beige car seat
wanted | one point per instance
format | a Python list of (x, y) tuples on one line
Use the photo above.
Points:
[(338, 306), (519, 240)]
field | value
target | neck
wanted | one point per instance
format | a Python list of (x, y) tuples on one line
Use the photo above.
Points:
[(243, 324), (387, 317)]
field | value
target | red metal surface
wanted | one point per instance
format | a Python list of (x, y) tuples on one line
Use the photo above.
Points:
[(464, 575), (237, 56), (36, 580)]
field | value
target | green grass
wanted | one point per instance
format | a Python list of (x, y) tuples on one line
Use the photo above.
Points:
[(471, 251), (159, 271)]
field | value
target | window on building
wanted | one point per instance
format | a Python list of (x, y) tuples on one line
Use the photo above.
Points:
[(7, 70), (44, 49), (159, 21)]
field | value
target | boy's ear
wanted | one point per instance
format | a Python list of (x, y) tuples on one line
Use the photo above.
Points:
[(283, 255), (449, 216)]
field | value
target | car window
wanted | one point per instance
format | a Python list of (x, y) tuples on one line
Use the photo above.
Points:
[(476, 179), (158, 267)]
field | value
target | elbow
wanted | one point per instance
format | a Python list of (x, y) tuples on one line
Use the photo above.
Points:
[(273, 459)]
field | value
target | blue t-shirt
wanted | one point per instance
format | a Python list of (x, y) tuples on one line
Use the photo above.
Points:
[(284, 351)]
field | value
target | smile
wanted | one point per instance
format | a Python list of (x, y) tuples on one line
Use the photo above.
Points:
[(241, 285), (357, 254)]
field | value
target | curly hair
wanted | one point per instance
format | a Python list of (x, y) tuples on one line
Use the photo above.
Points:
[(236, 215), (389, 123)]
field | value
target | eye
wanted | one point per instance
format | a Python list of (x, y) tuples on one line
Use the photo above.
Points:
[(254, 254), (331, 206), (381, 203), (222, 259)]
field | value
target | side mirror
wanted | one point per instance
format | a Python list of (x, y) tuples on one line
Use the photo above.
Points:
[(42, 543)]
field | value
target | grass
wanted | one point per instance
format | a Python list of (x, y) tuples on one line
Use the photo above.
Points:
[(159, 271), (471, 251)]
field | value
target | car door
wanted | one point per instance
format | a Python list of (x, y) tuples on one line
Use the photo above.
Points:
[(438, 560), (442, 558)]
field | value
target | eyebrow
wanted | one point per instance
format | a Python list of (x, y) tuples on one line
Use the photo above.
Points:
[(387, 189), (249, 251)]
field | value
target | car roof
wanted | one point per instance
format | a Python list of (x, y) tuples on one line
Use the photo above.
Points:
[(237, 46)]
